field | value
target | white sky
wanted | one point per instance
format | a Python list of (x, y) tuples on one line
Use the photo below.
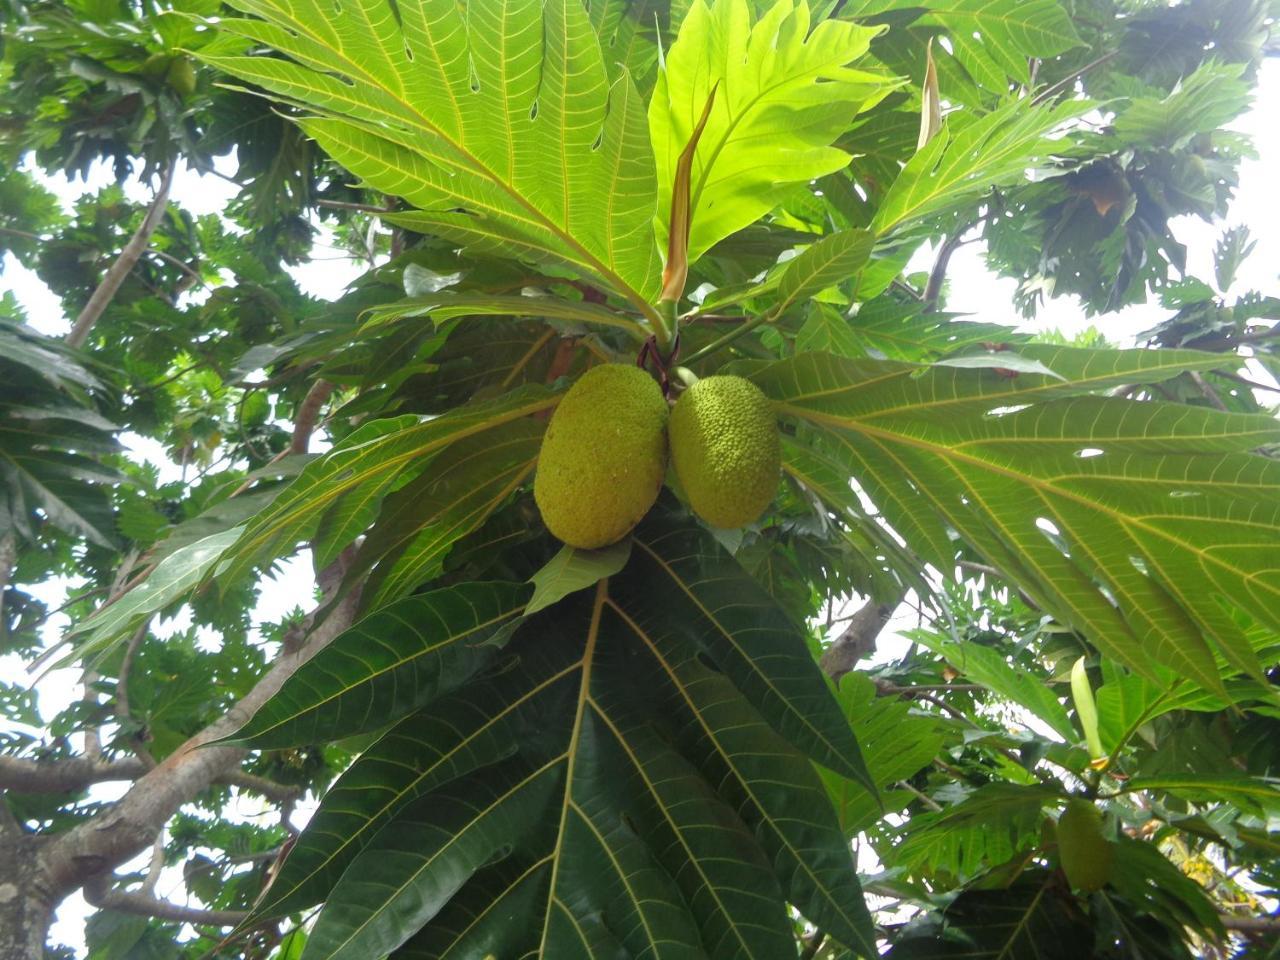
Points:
[(972, 289)]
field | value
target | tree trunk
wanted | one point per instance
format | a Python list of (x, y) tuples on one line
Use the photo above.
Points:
[(26, 906)]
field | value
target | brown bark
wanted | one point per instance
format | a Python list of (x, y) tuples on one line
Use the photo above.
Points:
[(64, 776), (26, 902)]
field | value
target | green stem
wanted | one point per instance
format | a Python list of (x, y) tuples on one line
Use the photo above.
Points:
[(728, 338), (665, 323)]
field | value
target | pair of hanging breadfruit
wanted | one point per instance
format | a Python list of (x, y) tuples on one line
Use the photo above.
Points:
[(604, 455)]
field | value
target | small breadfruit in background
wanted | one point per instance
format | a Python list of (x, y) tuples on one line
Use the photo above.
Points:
[(603, 456), (182, 76), (1084, 852), (726, 450)]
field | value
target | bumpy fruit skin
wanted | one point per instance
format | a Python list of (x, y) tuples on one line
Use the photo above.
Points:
[(1084, 852), (603, 456), (726, 450)]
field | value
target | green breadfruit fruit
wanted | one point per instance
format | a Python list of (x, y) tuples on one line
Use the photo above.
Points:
[(726, 450), (182, 76), (1084, 852), (603, 457)]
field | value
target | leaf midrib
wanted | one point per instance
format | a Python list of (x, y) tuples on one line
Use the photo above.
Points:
[(570, 758), (506, 711), (746, 785), (307, 500), (370, 677), (733, 641), (1041, 486)]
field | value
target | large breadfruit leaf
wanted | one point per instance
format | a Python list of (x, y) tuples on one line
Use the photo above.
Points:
[(495, 120), (632, 774)]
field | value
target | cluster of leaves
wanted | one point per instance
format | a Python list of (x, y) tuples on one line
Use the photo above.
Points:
[(633, 751)]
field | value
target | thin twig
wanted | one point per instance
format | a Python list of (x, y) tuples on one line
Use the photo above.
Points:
[(184, 267), (123, 710), (924, 798), (358, 207), (1208, 392), (931, 687), (276, 792), (99, 893), (8, 560), (1048, 93), (813, 945), (938, 275), (1251, 924), (1252, 384)]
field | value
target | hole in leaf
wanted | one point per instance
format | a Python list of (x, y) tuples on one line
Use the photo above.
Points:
[(1046, 525)]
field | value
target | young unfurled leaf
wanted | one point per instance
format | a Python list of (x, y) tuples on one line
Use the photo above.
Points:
[(784, 93)]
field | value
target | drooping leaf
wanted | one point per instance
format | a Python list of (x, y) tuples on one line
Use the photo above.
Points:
[(50, 437), (895, 744), (392, 662), (990, 668), (1034, 917), (175, 576), (479, 724), (986, 829), (602, 769), (337, 496), (421, 521), (784, 93), (1210, 98), (1261, 794), (447, 306), (1131, 521)]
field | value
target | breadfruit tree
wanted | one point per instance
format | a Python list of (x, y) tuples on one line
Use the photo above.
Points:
[(692, 581)]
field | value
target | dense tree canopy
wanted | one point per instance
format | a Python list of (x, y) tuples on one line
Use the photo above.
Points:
[(684, 744)]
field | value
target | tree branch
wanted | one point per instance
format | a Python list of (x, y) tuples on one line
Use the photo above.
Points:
[(130, 825), (1250, 924), (99, 894), (275, 792), (156, 867), (938, 275), (193, 278), (1207, 391), (304, 421), (1048, 93), (64, 776), (857, 640), (124, 263)]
